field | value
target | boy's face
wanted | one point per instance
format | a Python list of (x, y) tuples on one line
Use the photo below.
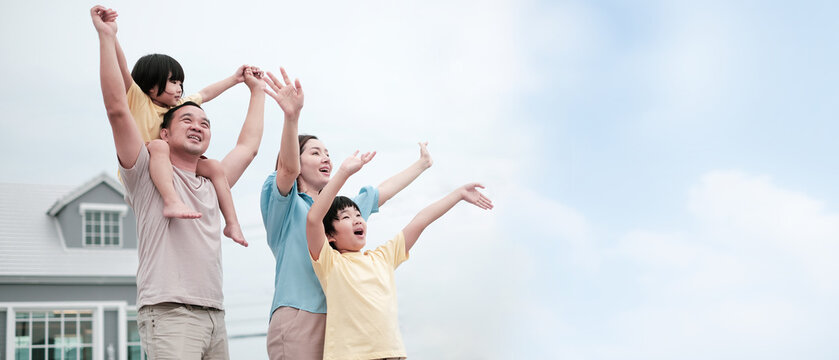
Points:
[(170, 96), (350, 231)]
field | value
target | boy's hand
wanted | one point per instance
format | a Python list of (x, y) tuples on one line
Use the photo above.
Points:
[(104, 19), (425, 157), (470, 194), (253, 83), (288, 96), (354, 163)]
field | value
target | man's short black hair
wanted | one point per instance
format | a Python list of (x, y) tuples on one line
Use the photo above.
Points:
[(167, 117), (340, 203), (154, 69)]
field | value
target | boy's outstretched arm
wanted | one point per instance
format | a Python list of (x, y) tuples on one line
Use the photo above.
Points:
[(289, 97), (468, 193), (315, 234), (127, 138), (397, 182), (247, 145), (213, 90)]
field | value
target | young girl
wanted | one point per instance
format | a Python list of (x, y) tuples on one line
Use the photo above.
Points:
[(360, 288), (153, 87)]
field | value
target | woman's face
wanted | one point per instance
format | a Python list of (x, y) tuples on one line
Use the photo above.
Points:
[(315, 165)]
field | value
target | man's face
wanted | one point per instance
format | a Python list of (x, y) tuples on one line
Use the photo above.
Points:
[(189, 131)]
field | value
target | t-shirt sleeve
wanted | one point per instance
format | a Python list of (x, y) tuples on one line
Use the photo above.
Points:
[(367, 201), (393, 252), (136, 96), (196, 98), (275, 206), (325, 262), (136, 179)]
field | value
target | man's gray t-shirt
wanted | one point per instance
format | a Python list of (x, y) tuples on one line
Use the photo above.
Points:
[(180, 259)]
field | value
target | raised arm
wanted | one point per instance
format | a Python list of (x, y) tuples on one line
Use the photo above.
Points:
[(212, 91), (123, 67), (127, 138), (468, 193), (397, 182), (290, 98), (315, 234), (238, 159)]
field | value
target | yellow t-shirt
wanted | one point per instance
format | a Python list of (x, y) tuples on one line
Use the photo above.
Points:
[(147, 115), (361, 319)]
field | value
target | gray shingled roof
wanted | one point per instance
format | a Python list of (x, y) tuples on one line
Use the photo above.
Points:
[(30, 245)]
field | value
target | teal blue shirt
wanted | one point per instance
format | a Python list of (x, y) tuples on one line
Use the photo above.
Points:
[(284, 217)]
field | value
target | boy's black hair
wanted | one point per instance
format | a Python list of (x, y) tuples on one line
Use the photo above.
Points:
[(154, 69), (340, 203), (167, 117)]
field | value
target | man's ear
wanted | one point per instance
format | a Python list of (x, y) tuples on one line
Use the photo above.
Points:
[(164, 134)]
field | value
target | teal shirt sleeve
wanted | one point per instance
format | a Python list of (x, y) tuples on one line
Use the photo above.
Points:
[(275, 207), (367, 201)]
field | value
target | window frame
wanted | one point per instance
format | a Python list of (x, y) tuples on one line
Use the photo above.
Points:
[(120, 210)]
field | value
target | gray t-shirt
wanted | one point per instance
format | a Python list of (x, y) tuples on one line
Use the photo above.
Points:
[(180, 259)]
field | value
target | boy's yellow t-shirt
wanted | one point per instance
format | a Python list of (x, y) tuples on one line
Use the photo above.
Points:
[(361, 318), (147, 115)]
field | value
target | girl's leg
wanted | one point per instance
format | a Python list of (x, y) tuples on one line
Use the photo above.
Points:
[(160, 170), (212, 169)]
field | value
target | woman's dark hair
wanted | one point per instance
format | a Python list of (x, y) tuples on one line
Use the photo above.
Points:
[(154, 69), (302, 140), (340, 203)]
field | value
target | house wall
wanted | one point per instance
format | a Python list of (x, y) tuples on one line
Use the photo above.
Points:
[(2, 333), (71, 220), (67, 292)]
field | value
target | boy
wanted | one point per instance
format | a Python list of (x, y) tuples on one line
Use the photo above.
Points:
[(361, 322)]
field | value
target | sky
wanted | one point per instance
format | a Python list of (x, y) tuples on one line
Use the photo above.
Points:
[(662, 171)]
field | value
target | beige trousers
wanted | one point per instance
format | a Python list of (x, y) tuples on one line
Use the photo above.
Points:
[(178, 331), (295, 334)]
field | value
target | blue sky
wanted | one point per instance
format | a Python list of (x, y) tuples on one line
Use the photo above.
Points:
[(663, 172)]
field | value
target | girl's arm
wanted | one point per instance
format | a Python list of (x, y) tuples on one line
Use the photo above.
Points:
[(123, 67), (396, 183), (212, 91), (467, 192), (315, 234), (290, 98)]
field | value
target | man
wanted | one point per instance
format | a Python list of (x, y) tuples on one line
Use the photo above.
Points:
[(179, 280)]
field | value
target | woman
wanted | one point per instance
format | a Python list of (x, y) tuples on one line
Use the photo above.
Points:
[(298, 312)]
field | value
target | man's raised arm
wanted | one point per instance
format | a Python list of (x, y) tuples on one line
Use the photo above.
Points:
[(238, 159), (126, 136)]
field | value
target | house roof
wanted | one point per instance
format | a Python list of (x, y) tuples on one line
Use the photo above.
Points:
[(81, 190), (30, 243)]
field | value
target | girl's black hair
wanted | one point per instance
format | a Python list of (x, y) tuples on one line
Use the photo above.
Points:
[(340, 203), (154, 69)]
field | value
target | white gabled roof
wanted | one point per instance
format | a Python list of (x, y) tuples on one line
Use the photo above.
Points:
[(30, 243), (81, 190)]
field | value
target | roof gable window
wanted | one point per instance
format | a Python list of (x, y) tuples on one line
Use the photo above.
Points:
[(102, 224)]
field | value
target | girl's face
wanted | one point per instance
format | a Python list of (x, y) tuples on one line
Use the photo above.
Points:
[(315, 165), (170, 95)]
